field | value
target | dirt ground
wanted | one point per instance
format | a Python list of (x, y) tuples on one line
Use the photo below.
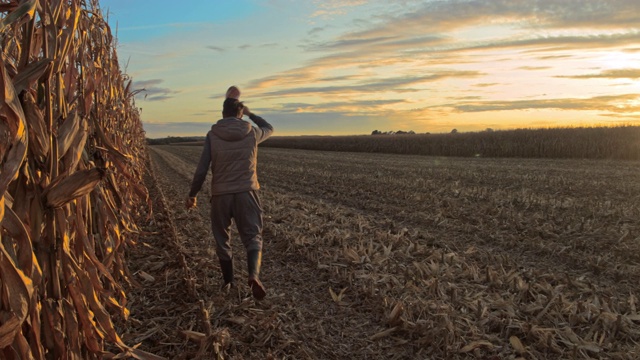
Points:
[(371, 256)]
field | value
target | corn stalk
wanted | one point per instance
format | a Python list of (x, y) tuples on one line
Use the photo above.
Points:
[(71, 164)]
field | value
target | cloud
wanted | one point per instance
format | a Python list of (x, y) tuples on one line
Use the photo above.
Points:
[(627, 103), (554, 57), (327, 8), (215, 48), (421, 38), (634, 118), (161, 129), (397, 84), (609, 74), (146, 83), (149, 90), (450, 15), (486, 84), (352, 107), (317, 30), (555, 43), (534, 68), (470, 97), (426, 30)]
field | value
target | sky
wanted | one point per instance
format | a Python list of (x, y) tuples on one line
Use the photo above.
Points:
[(349, 67)]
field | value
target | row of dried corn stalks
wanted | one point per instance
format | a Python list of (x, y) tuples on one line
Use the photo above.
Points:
[(71, 152)]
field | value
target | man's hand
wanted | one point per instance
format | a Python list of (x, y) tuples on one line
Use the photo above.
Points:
[(246, 111), (191, 203)]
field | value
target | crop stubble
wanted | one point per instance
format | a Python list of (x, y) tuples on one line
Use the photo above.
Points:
[(429, 257)]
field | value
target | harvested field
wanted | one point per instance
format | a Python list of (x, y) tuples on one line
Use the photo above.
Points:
[(372, 256)]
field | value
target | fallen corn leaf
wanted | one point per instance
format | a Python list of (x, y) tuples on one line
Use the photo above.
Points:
[(517, 345), (383, 334), (147, 276), (476, 344)]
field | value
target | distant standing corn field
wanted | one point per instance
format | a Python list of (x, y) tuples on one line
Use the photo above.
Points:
[(616, 142), (72, 160)]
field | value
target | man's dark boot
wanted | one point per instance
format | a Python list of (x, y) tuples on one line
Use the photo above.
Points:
[(254, 260), (226, 266)]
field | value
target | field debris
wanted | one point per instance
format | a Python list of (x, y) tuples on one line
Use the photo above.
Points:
[(376, 275)]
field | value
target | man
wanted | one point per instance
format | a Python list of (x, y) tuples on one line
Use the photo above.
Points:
[(231, 148)]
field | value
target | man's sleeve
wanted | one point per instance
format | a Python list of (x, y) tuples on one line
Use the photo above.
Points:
[(202, 169), (264, 129)]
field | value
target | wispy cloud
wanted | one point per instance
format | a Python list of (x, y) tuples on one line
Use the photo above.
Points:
[(486, 84), (150, 91), (317, 30), (443, 16), (397, 84), (328, 8), (533, 68), (609, 74), (628, 103), (163, 129), (422, 37), (215, 48), (346, 107), (557, 43)]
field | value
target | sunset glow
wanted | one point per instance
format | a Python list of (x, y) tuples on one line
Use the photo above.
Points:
[(351, 67)]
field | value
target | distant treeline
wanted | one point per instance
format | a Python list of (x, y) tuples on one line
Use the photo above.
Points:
[(620, 142), (174, 140)]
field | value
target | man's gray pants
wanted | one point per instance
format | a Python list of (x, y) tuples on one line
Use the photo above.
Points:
[(246, 210)]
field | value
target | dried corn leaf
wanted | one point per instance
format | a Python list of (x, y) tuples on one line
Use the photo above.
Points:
[(383, 334), (101, 315), (146, 276), (26, 258), (17, 287), (517, 345), (26, 8), (337, 297), (71, 187), (92, 333), (74, 154), (194, 335), (38, 134), (30, 74), (8, 330), (396, 313), (21, 346), (67, 132), (15, 121), (475, 345)]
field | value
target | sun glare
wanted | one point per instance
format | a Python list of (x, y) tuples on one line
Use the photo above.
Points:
[(619, 60)]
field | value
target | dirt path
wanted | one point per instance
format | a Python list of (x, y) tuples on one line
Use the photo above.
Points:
[(299, 319)]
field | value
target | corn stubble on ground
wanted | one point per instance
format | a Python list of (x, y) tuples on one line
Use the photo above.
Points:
[(422, 258)]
